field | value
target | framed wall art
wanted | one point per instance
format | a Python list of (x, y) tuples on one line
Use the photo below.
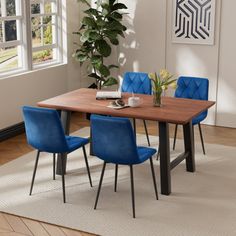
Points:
[(193, 21)]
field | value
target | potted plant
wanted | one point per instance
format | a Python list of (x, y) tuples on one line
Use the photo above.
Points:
[(100, 29)]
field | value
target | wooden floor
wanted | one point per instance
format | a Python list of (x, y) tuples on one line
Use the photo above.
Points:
[(18, 226), (15, 147)]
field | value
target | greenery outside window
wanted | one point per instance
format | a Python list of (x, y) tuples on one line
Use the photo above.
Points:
[(10, 35), (45, 31)]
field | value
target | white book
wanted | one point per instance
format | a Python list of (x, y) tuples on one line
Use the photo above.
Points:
[(108, 95)]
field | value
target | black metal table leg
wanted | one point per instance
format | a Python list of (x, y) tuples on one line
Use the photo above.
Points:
[(65, 120), (134, 127), (164, 158), (189, 146)]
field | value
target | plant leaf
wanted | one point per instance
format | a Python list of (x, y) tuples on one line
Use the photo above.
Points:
[(119, 6), (94, 35), (114, 25), (110, 81), (112, 66), (114, 41), (170, 81), (103, 48), (104, 70), (96, 60), (94, 75), (81, 57), (78, 33), (100, 21), (111, 2), (116, 15), (120, 32), (110, 34), (92, 11), (89, 22)]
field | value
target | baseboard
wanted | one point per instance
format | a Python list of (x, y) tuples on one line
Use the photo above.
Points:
[(12, 131)]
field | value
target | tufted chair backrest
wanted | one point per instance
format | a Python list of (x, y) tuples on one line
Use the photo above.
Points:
[(193, 88), (136, 82)]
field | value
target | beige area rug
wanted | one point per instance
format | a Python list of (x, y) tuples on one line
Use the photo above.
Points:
[(201, 204)]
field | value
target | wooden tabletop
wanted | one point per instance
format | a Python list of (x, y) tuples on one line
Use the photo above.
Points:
[(174, 110)]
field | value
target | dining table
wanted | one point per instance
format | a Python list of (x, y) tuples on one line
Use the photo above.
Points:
[(172, 111)]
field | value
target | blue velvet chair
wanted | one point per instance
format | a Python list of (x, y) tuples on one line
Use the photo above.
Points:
[(45, 133), (193, 88), (137, 82), (113, 141)]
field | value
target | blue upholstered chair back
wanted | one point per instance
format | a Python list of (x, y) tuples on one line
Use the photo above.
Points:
[(136, 82), (44, 130), (193, 88), (113, 140)]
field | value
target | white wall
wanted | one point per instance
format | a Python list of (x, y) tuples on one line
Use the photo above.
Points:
[(143, 49), (76, 76), (29, 88), (148, 47), (226, 97), (195, 60)]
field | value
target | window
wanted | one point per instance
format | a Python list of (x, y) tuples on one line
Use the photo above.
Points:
[(10, 35), (44, 27), (30, 34)]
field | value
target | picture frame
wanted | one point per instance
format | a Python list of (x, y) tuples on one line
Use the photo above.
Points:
[(193, 21)]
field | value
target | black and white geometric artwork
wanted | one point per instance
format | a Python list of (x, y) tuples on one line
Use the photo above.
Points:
[(193, 21)]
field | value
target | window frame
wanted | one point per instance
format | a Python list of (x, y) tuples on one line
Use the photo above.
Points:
[(18, 17), (25, 42)]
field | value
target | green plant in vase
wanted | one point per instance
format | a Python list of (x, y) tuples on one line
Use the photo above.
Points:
[(100, 28), (160, 83)]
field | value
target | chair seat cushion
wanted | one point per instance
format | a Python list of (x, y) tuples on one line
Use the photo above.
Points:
[(145, 153), (76, 142)]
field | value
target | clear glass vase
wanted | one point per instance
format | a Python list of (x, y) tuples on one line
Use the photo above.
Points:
[(157, 95)]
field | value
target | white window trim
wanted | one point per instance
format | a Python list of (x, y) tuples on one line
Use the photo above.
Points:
[(26, 37)]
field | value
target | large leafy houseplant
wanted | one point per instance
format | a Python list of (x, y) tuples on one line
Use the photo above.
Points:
[(100, 29)]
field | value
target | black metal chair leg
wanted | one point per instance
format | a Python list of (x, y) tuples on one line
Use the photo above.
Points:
[(100, 185), (63, 180), (87, 166), (154, 178), (116, 175), (132, 189), (146, 131), (200, 131), (34, 173), (54, 166), (176, 129)]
